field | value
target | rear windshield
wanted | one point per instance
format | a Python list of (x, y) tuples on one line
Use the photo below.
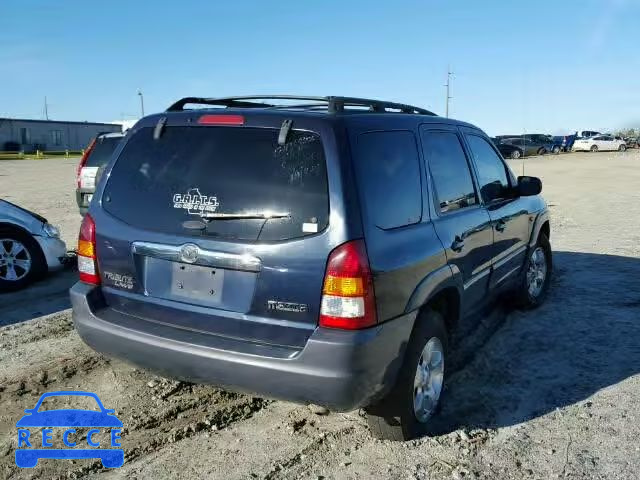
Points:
[(102, 151), (171, 184)]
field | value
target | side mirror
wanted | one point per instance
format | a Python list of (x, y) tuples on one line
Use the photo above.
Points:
[(529, 186)]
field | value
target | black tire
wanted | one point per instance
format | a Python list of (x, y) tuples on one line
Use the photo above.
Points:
[(516, 154), (541, 151), (622, 148), (594, 148), (38, 265), (394, 418), (556, 150), (525, 297)]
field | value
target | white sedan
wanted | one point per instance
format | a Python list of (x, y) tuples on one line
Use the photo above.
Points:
[(599, 143)]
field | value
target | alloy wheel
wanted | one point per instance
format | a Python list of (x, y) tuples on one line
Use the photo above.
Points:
[(15, 260), (537, 272), (428, 381)]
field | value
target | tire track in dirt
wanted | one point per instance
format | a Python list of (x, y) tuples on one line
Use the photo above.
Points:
[(274, 440), (307, 458), (47, 327)]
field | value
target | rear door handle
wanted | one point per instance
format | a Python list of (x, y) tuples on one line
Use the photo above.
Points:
[(501, 225), (458, 244)]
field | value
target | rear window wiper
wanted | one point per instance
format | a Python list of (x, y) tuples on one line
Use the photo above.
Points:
[(237, 216)]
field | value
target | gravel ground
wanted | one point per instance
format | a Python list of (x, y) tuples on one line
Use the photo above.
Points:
[(551, 393)]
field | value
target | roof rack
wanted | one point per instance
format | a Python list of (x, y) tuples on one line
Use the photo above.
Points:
[(331, 104)]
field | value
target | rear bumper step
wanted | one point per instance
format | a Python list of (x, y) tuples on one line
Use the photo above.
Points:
[(341, 370)]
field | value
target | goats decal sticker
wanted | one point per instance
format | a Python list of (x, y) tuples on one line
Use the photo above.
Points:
[(195, 203)]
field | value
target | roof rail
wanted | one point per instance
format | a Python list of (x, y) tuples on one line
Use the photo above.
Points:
[(332, 104)]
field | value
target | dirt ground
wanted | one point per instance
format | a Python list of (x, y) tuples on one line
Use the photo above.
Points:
[(551, 393)]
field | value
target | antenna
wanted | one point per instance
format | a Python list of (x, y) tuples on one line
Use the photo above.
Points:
[(46, 109), (448, 85), (524, 148), (141, 103)]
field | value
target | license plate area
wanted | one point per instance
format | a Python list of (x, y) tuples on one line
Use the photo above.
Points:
[(183, 282), (196, 282)]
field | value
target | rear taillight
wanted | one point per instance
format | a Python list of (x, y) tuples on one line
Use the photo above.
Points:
[(87, 259), (348, 301), (83, 160)]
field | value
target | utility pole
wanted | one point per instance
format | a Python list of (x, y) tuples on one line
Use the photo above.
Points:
[(46, 109), (448, 85), (141, 103)]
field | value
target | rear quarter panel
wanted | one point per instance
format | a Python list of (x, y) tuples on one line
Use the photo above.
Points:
[(400, 258)]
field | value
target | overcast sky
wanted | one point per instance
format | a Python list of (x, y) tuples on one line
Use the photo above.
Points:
[(544, 66)]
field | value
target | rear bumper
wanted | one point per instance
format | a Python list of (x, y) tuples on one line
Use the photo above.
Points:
[(341, 370)]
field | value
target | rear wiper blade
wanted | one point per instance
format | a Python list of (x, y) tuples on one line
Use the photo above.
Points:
[(237, 216)]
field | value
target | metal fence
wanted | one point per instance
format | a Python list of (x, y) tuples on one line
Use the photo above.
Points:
[(39, 154)]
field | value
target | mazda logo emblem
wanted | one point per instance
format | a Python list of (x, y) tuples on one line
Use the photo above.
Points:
[(189, 253)]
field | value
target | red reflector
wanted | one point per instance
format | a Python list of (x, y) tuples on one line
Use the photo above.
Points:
[(221, 120)]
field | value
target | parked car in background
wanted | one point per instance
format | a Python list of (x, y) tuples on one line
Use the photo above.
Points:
[(599, 143), (632, 142), (29, 247), (499, 138), (587, 133), (216, 256), (552, 145), (546, 141), (507, 150), (538, 137), (96, 156), (565, 142), (528, 146)]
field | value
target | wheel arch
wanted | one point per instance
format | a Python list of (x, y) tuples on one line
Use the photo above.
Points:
[(446, 302), (546, 229), (441, 291), (8, 226), (541, 225)]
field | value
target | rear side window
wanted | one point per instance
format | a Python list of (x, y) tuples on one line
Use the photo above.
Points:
[(388, 176), (449, 170), (232, 173), (102, 151)]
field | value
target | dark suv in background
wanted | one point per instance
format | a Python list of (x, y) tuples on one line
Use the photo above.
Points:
[(95, 157), (314, 249)]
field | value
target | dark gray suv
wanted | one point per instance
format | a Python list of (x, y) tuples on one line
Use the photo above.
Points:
[(314, 249)]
